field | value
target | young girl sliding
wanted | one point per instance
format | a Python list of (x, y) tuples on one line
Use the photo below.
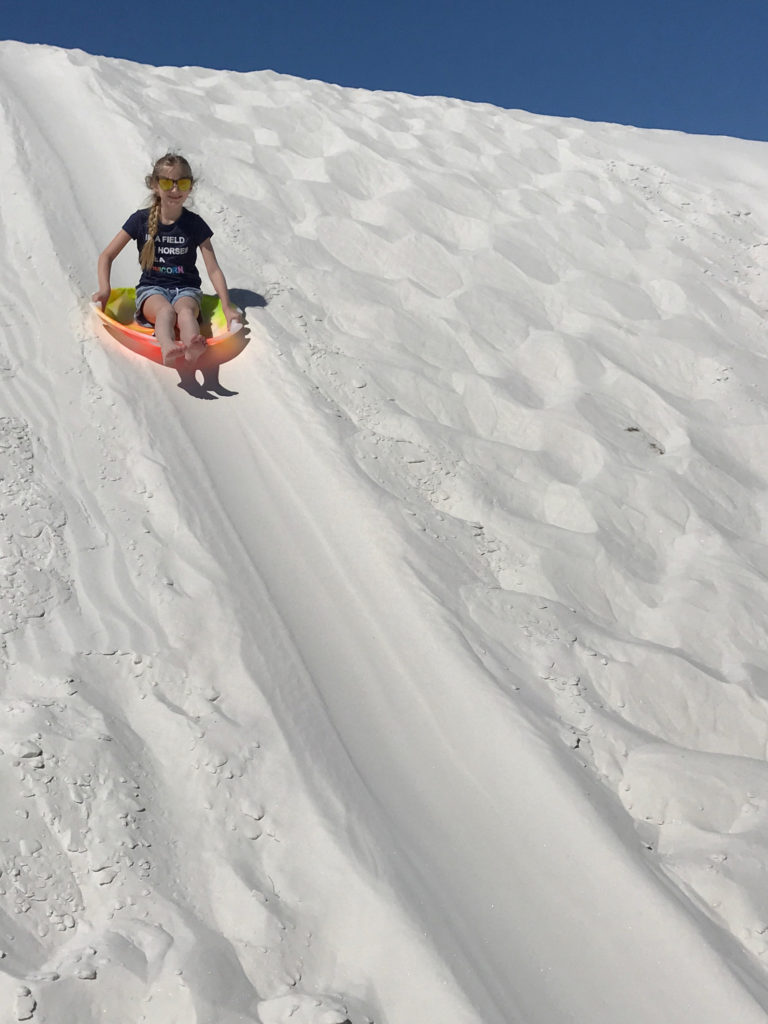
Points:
[(168, 237)]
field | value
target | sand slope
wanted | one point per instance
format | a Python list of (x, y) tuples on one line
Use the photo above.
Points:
[(424, 677)]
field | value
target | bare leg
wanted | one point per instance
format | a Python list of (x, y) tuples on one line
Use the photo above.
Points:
[(192, 341), (161, 313)]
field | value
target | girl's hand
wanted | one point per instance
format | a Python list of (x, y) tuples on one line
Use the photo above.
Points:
[(232, 315), (101, 298)]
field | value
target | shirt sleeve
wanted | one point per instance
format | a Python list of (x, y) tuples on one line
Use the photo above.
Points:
[(134, 225), (203, 231)]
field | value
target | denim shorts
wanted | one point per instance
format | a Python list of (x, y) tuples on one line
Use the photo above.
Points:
[(170, 293)]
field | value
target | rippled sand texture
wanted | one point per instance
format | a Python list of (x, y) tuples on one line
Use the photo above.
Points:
[(423, 678)]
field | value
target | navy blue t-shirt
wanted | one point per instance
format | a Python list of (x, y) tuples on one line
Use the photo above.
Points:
[(175, 248)]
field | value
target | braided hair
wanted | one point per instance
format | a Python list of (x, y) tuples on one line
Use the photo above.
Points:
[(171, 162)]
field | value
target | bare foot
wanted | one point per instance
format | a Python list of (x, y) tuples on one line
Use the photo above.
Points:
[(195, 348), (171, 356)]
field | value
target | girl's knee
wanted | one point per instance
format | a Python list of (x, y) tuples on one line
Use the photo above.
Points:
[(187, 310), (157, 308)]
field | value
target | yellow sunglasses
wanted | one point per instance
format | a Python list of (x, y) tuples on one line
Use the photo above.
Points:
[(166, 184)]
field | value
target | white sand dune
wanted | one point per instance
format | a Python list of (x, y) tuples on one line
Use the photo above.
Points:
[(425, 678)]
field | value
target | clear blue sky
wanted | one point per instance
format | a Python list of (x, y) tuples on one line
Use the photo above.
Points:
[(690, 65)]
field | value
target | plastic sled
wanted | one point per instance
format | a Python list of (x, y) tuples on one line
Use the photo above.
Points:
[(119, 319)]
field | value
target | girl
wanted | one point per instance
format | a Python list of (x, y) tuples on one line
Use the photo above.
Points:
[(168, 237)]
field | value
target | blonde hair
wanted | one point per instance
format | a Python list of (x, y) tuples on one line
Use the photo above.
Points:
[(173, 162)]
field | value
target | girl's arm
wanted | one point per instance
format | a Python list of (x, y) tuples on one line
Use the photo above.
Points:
[(218, 282), (106, 259)]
